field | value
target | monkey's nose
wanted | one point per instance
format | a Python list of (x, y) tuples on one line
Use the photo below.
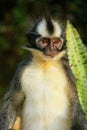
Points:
[(52, 46), (53, 43)]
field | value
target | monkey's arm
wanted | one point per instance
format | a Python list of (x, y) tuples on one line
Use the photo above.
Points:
[(12, 102), (11, 105)]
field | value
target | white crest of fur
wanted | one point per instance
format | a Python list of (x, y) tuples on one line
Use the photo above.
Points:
[(42, 29)]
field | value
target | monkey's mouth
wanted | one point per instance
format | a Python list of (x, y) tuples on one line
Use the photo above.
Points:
[(51, 52)]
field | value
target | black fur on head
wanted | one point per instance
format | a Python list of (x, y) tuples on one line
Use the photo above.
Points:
[(32, 35), (49, 24)]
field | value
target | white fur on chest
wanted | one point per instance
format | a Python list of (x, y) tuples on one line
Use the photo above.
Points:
[(46, 104)]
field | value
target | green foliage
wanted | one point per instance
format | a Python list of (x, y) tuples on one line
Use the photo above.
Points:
[(77, 55)]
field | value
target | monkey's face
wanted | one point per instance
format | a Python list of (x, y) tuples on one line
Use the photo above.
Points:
[(50, 46), (47, 37)]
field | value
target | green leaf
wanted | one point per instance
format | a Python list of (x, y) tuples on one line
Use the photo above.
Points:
[(77, 55)]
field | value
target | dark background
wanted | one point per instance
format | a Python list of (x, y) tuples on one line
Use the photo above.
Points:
[(15, 17)]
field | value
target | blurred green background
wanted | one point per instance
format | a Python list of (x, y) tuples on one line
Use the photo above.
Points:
[(15, 17)]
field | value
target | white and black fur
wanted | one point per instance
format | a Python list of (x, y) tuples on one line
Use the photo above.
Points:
[(43, 90)]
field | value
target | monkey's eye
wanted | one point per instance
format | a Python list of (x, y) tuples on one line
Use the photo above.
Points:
[(56, 40), (45, 40), (56, 43), (42, 42)]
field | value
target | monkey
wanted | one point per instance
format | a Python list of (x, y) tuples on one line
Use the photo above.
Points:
[(43, 90)]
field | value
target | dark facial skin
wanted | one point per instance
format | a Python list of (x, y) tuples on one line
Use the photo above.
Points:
[(50, 46)]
